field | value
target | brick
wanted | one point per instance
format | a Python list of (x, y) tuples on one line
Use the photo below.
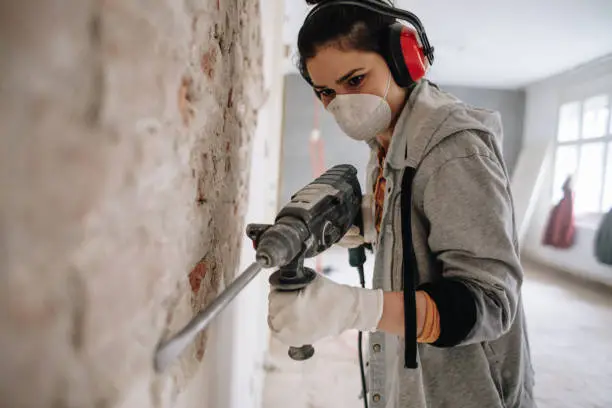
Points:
[(209, 60), (196, 275)]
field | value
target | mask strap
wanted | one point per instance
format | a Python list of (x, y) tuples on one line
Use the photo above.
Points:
[(388, 87)]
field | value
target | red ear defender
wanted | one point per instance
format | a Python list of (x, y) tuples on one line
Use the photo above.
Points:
[(413, 54), (405, 55)]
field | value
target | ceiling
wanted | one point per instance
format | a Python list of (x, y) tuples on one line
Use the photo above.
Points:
[(499, 44)]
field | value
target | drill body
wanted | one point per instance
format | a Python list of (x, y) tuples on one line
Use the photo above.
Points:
[(317, 217)]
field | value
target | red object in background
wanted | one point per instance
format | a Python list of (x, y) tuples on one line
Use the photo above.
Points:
[(561, 229)]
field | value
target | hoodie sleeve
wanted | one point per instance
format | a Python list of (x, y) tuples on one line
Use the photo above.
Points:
[(470, 211)]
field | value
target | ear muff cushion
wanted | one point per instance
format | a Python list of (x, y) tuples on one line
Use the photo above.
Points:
[(405, 56)]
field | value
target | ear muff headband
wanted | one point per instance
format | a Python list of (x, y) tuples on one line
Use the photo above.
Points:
[(385, 10)]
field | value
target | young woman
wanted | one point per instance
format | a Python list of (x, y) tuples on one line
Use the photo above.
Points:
[(446, 315)]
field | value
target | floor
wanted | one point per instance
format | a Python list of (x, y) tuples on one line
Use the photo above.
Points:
[(570, 327)]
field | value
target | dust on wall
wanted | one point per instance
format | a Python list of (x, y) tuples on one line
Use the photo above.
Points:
[(125, 131)]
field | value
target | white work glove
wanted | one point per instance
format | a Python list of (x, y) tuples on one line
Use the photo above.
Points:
[(352, 238), (323, 308)]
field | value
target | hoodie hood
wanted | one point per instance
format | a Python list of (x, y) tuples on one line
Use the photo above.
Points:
[(430, 116)]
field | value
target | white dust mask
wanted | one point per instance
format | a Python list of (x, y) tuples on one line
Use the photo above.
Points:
[(362, 116)]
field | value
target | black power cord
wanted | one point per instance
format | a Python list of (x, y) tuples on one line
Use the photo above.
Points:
[(357, 258)]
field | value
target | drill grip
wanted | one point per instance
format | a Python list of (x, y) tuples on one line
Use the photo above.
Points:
[(290, 278)]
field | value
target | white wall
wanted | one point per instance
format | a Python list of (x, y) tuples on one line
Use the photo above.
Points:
[(241, 363), (532, 179)]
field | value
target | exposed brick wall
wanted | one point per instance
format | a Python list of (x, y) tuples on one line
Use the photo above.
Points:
[(125, 131)]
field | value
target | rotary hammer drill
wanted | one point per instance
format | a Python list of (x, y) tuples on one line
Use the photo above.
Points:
[(316, 218)]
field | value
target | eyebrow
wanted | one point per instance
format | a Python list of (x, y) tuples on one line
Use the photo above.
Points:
[(341, 79)]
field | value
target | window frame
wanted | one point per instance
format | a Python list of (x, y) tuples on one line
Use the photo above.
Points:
[(581, 97)]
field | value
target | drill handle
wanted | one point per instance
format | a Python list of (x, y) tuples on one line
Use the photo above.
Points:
[(357, 256), (290, 278)]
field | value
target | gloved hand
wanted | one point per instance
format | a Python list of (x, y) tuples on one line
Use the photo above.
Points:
[(323, 308), (352, 238)]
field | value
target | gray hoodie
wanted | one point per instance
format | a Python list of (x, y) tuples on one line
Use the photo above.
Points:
[(448, 228)]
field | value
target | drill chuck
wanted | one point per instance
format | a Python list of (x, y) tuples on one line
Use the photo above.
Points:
[(282, 242)]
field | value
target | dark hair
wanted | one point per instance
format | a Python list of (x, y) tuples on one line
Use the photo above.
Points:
[(348, 27)]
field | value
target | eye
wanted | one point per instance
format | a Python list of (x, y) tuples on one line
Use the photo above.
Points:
[(327, 93), (356, 80)]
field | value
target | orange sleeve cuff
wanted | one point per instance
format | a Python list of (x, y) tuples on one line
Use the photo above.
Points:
[(431, 326)]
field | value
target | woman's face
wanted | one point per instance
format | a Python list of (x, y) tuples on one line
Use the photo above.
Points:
[(335, 72)]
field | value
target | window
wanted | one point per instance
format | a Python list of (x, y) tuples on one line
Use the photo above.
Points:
[(569, 122), (566, 164), (589, 180), (595, 121), (584, 152)]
